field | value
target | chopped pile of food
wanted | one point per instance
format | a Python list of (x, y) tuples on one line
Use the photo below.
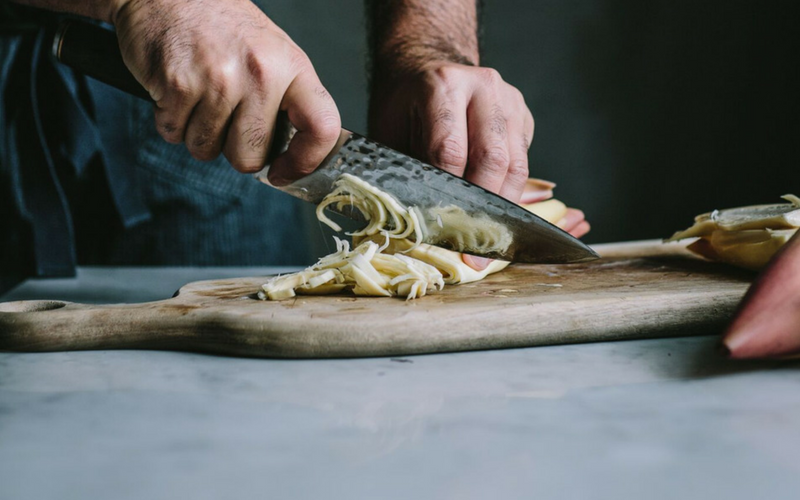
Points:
[(388, 258), (746, 237), (364, 270)]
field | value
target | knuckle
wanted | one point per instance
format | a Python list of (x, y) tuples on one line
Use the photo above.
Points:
[(518, 170), (498, 123), (203, 144), (494, 159), (219, 84), (444, 115), (169, 129), (445, 73), (204, 135), (255, 134), (298, 60), (449, 154), (322, 93), (525, 143), (258, 69), (178, 86), (327, 126), (490, 76), (168, 126)]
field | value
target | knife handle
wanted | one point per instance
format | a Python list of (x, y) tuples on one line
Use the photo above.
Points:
[(94, 51)]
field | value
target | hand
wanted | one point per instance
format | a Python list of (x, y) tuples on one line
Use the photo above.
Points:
[(767, 323), (219, 72), (463, 119)]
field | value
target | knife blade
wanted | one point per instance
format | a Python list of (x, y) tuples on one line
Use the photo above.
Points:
[(454, 213)]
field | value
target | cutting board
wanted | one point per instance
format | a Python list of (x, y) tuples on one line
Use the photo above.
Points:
[(637, 290)]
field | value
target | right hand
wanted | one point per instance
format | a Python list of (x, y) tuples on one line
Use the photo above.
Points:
[(219, 72)]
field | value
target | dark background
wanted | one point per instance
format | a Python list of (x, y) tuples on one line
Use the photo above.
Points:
[(647, 113)]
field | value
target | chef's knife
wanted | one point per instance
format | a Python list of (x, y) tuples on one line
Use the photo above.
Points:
[(455, 213)]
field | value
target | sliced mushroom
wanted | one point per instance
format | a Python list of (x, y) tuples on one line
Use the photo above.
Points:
[(746, 237)]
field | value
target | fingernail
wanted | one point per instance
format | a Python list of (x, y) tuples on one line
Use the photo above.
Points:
[(738, 340), (477, 263), (535, 197)]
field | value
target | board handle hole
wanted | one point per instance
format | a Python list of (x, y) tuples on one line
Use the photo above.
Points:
[(23, 306)]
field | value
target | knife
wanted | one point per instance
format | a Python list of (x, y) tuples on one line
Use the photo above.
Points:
[(454, 213)]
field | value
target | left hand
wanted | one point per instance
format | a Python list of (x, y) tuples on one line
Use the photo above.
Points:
[(463, 119), (767, 323)]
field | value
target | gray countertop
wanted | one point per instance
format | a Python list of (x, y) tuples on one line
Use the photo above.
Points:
[(652, 419)]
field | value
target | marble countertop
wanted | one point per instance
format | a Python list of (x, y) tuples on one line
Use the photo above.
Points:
[(651, 419)]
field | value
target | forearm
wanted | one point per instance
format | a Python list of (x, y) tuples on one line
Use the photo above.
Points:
[(102, 10), (407, 35)]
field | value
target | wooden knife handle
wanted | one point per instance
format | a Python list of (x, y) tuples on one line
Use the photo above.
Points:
[(94, 51)]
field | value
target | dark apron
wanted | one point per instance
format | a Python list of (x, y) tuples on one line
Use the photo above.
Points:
[(86, 179)]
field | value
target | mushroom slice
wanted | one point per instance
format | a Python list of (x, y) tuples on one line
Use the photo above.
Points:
[(383, 213), (778, 216), (746, 237)]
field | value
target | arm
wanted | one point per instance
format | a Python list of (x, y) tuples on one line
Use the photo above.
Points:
[(219, 72), (431, 99), (407, 34)]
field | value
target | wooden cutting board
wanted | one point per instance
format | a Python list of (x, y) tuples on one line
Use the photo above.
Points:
[(637, 290)]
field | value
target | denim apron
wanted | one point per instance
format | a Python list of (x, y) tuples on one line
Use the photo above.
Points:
[(86, 179)]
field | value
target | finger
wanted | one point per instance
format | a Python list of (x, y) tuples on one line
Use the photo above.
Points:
[(529, 126), (580, 230), (312, 111), (205, 132), (529, 198), (172, 112), (476, 263), (250, 133), (514, 182), (445, 140), (520, 135), (534, 184), (488, 143), (572, 218), (536, 190), (517, 174)]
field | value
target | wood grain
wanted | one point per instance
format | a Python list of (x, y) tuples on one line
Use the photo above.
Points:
[(635, 291)]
